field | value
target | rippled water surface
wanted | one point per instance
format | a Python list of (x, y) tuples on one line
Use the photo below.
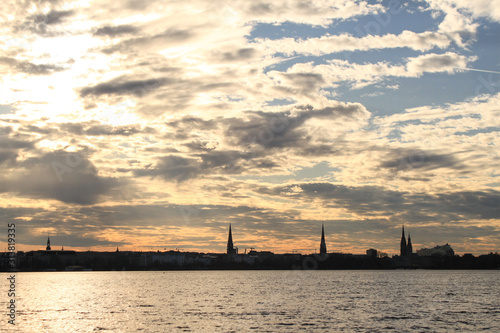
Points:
[(256, 301)]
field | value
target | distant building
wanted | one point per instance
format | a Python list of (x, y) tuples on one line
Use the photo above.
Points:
[(48, 248), (405, 249), (322, 246), (372, 253), (409, 247), (260, 253), (230, 247), (437, 251), (402, 245)]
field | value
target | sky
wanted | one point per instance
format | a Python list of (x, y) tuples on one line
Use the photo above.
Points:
[(154, 125)]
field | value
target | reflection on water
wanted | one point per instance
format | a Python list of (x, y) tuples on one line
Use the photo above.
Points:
[(257, 301)]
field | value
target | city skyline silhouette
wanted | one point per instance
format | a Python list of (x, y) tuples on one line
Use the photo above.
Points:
[(146, 127)]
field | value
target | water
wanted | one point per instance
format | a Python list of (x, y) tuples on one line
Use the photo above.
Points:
[(256, 301)]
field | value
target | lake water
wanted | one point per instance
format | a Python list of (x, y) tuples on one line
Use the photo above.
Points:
[(256, 301)]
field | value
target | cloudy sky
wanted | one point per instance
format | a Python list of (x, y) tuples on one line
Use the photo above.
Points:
[(153, 125)]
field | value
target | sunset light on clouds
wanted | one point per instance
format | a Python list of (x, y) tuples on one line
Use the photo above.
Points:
[(152, 125)]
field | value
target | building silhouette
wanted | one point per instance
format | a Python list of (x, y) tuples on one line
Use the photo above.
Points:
[(405, 249), (230, 247), (372, 253), (48, 248), (437, 251), (409, 247), (322, 246), (402, 246)]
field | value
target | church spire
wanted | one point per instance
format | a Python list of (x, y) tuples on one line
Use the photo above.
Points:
[(322, 247), (48, 248), (230, 247), (409, 247), (403, 246)]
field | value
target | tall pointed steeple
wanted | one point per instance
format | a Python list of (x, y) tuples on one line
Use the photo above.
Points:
[(48, 248), (322, 246), (409, 247), (230, 247), (402, 248)]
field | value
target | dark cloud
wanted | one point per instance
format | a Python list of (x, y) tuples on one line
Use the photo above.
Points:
[(52, 17), (194, 122), (203, 87), (174, 34), (10, 147), (179, 169), (160, 150), (180, 91), (302, 84), (376, 200), (405, 160), (8, 157), (158, 41), (98, 129), (112, 130), (124, 86), (12, 143), (323, 149), (261, 8), (60, 175), (36, 129), (241, 54), (227, 162), (168, 69), (280, 130), (432, 62), (198, 145), (185, 127), (30, 68), (4, 130), (115, 31), (74, 128), (266, 164), (43, 24), (304, 79), (215, 217), (418, 179), (364, 200), (477, 204), (173, 168)]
